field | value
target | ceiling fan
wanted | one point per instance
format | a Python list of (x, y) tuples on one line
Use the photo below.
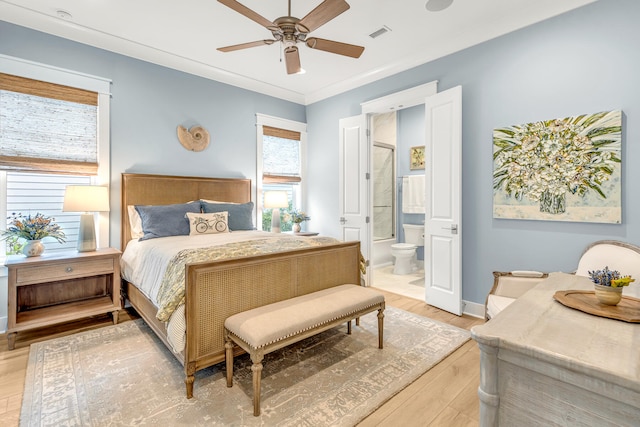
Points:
[(290, 30)]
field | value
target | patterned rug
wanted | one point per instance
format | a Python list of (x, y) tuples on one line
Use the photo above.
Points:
[(123, 375)]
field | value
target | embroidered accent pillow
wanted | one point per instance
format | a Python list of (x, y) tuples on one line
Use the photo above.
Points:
[(208, 223)]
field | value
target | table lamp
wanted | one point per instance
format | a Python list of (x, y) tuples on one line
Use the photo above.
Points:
[(275, 200), (86, 199)]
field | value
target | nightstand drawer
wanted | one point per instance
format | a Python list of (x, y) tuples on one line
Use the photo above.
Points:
[(62, 271)]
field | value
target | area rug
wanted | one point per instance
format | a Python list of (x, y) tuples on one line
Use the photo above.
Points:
[(123, 375)]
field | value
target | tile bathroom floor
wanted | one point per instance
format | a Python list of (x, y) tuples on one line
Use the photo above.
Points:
[(409, 285)]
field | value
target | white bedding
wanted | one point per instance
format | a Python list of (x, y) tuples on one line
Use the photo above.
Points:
[(144, 264)]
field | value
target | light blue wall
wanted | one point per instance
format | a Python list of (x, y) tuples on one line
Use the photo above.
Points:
[(584, 61), (148, 103)]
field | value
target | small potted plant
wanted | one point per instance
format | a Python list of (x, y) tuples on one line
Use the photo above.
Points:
[(33, 229), (608, 285), (297, 217)]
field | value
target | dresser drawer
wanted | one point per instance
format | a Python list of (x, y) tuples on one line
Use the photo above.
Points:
[(63, 270)]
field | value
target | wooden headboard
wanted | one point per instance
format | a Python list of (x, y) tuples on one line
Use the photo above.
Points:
[(143, 189)]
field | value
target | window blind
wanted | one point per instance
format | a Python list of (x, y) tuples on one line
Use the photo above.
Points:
[(281, 156), (46, 127)]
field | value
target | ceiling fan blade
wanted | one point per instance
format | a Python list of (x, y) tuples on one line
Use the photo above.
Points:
[(245, 45), (335, 47), (292, 59), (244, 10), (323, 13)]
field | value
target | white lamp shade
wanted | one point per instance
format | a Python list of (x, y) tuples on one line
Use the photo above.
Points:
[(276, 199), (86, 198)]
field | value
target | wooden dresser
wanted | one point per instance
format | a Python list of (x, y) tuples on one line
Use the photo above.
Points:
[(545, 364), (59, 287)]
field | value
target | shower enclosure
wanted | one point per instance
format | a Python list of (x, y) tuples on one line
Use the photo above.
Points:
[(384, 215)]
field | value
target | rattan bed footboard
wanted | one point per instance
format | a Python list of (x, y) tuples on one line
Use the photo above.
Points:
[(218, 290)]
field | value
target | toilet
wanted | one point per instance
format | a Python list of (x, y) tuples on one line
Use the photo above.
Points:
[(405, 253)]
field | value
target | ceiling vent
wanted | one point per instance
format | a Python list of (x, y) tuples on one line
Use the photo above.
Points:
[(377, 33)]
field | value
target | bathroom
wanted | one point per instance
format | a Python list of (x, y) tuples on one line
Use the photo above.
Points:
[(393, 136)]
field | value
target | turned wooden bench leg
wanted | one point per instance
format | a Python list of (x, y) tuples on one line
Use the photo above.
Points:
[(349, 327), (380, 326), (228, 346), (256, 368)]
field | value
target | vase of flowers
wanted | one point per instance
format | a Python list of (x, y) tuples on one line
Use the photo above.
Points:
[(608, 285), (33, 229), (297, 217)]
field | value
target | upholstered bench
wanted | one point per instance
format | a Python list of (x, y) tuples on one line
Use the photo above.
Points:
[(271, 327)]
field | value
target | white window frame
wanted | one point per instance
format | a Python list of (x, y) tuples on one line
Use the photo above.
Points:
[(33, 70), (276, 122)]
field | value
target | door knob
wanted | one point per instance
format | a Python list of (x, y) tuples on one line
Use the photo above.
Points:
[(453, 228), (343, 220)]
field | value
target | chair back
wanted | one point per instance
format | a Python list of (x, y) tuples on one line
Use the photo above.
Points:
[(616, 255)]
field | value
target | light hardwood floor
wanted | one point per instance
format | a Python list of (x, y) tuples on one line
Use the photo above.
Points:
[(444, 396)]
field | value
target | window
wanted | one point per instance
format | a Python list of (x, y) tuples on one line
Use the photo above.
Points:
[(54, 132), (281, 159)]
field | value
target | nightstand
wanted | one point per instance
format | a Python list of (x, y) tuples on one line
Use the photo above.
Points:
[(59, 287)]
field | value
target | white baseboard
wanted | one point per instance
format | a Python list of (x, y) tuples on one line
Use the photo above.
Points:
[(473, 309), (3, 325)]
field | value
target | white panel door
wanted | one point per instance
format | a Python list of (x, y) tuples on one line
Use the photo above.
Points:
[(443, 149), (354, 190)]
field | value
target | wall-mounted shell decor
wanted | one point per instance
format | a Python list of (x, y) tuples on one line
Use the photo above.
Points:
[(194, 139)]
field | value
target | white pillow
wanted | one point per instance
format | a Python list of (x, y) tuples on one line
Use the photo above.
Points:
[(208, 223), (135, 223)]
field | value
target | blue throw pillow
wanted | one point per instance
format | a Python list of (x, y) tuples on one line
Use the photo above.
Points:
[(240, 214), (166, 220)]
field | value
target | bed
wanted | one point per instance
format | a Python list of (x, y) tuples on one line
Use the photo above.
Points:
[(215, 290)]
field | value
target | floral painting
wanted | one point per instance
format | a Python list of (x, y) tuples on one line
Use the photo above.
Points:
[(561, 169), (417, 158)]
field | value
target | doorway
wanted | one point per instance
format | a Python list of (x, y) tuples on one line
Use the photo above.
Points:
[(442, 146), (384, 116)]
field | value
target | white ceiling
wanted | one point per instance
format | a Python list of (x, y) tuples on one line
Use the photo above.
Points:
[(184, 35)]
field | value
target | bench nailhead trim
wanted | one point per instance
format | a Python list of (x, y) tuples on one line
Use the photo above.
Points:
[(308, 328)]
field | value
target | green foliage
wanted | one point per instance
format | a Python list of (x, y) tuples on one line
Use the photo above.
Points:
[(14, 246), (266, 220)]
